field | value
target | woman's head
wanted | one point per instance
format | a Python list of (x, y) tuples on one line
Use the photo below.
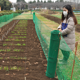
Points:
[(68, 12)]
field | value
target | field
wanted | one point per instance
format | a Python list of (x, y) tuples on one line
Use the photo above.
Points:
[(21, 54)]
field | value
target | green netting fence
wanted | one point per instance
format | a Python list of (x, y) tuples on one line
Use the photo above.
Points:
[(66, 57), (5, 18)]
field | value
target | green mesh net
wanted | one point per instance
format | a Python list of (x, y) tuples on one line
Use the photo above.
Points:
[(66, 57), (43, 33), (7, 18)]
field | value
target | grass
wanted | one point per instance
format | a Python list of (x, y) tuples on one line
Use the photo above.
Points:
[(26, 16), (48, 22), (59, 16)]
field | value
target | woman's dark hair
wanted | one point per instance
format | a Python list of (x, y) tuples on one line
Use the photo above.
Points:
[(70, 13)]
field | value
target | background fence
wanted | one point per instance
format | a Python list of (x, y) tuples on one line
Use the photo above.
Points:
[(5, 18), (64, 69)]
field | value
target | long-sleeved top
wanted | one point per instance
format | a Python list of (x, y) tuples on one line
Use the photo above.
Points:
[(70, 38)]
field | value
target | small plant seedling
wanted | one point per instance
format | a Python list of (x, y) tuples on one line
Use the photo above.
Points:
[(24, 44), (24, 36), (22, 40), (4, 44), (16, 40), (1, 68), (10, 37), (18, 44), (11, 44), (12, 31), (2, 49), (6, 68), (7, 39), (1, 57), (8, 50), (14, 68), (25, 58), (16, 50), (19, 68)]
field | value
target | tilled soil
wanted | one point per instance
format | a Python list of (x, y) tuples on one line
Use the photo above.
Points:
[(21, 55), (57, 20), (6, 27)]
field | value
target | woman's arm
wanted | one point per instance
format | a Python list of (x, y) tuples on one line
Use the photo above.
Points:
[(69, 28), (59, 27)]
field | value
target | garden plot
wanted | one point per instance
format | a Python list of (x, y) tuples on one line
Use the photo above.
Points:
[(21, 55), (13, 53)]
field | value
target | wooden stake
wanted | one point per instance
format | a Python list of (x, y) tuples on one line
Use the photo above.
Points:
[(76, 44)]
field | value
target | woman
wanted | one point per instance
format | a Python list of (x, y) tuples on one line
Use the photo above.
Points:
[(67, 28)]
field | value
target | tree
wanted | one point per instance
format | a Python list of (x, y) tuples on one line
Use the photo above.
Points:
[(44, 1), (38, 1), (41, 1), (49, 1), (20, 0), (34, 1), (5, 5), (61, 0), (26, 6), (30, 2)]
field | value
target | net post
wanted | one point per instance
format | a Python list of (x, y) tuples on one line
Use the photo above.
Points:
[(53, 53), (34, 17)]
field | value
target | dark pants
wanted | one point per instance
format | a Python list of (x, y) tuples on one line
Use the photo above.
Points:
[(65, 54)]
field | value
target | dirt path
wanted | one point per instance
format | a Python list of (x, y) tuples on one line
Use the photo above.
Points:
[(21, 55), (57, 20)]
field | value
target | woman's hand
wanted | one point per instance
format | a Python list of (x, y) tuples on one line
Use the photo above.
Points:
[(60, 30)]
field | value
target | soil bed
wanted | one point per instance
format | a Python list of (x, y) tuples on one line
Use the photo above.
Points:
[(57, 20)]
